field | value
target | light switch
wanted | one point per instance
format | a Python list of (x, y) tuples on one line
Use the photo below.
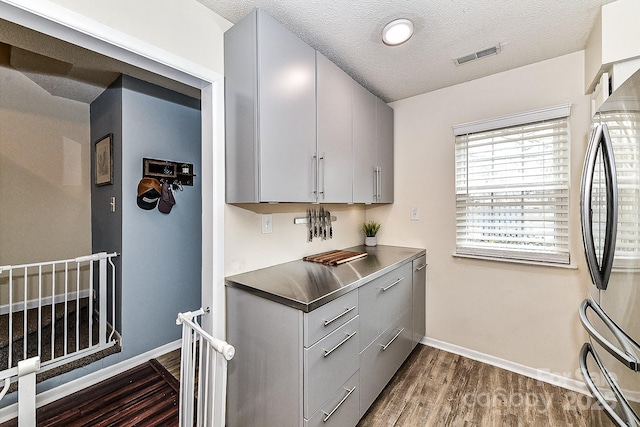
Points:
[(267, 223), (415, 214)]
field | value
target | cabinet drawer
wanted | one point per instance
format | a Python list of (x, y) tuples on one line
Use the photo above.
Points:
[(380, 361), (326, 319), (329, 363), (341, 409), (382, 301)]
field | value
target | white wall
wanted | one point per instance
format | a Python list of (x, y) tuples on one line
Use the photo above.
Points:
[(526, 314), (45, 187), (246, 248), (183, 27)]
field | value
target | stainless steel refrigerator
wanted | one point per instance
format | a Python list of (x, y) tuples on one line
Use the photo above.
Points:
[(610, 212)]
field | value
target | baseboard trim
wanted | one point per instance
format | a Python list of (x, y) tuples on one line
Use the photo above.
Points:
[(78, 384), (537, 374)]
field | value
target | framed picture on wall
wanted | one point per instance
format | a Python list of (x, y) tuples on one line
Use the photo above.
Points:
[(104, 160)]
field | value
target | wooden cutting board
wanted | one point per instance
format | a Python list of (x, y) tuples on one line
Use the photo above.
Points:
[(336, 257)]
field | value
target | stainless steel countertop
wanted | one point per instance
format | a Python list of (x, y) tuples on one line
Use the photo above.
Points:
[(306, 285)]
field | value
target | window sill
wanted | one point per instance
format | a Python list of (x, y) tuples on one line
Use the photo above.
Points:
[(518, 261)]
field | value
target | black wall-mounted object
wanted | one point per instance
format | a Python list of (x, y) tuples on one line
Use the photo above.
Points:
[(169, 170)]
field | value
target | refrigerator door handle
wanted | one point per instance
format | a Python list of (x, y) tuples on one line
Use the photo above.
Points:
[(627, 355), (631, 417), (599, 273)]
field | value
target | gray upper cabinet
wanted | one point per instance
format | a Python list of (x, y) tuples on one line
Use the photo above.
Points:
[(384, 140), (270, 113), (335, 154), (372, 148), (364, 145), (298, 128)]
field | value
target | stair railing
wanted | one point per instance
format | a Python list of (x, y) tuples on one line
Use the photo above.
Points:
[(203, 374), (44, 294)]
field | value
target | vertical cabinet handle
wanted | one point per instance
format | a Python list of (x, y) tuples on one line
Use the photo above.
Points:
[(375, 183), (315, 176), (321, 161), (327, 416), (379, 183), (600, 139)]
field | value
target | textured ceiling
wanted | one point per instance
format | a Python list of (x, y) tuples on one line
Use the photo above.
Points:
[(348, 32)]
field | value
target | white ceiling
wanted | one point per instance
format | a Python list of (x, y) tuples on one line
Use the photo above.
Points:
[(349, 33)]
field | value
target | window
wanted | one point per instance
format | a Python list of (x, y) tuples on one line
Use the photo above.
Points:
[(512, 187)]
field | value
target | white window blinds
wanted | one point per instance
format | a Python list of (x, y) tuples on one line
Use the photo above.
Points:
[(512, 188)]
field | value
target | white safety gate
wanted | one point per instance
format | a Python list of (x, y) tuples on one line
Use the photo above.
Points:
[(203, 374), (51, 314)]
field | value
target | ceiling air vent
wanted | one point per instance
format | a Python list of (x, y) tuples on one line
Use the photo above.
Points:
[(493, 50)]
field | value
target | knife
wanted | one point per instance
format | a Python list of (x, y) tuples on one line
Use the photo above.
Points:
[(309, 229), (330, 225), (314, 214)]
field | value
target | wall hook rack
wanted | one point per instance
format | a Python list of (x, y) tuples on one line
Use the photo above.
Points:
[(169, 170)]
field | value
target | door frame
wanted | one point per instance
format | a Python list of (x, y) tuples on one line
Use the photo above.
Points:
[(59, 22)]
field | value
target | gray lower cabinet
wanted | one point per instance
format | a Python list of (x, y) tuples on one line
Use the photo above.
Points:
[(328, 364), (341, 409), (321, 368), (382, 358), (419, 298), (382, 301)]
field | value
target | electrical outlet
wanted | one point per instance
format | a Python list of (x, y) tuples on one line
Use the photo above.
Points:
[(415, 214), (267, 223)]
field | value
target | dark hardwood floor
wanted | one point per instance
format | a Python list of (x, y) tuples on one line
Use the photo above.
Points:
[(145, 396), (437, 388)]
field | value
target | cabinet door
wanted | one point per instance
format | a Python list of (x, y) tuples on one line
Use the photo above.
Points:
[(384, 124), (286, 114), (419, 298), (335, 150), (380, 361), (364, 144), (382, 301)]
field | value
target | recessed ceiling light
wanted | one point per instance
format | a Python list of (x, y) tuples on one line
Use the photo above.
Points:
[(397, 32)]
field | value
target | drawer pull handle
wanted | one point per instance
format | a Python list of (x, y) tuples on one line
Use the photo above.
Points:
[(328, 322), (328, 352), (422, 267), (393, 284), (384, 347), (326, 418)]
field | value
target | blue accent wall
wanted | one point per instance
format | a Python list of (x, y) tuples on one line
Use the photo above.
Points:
[(160, 262)]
